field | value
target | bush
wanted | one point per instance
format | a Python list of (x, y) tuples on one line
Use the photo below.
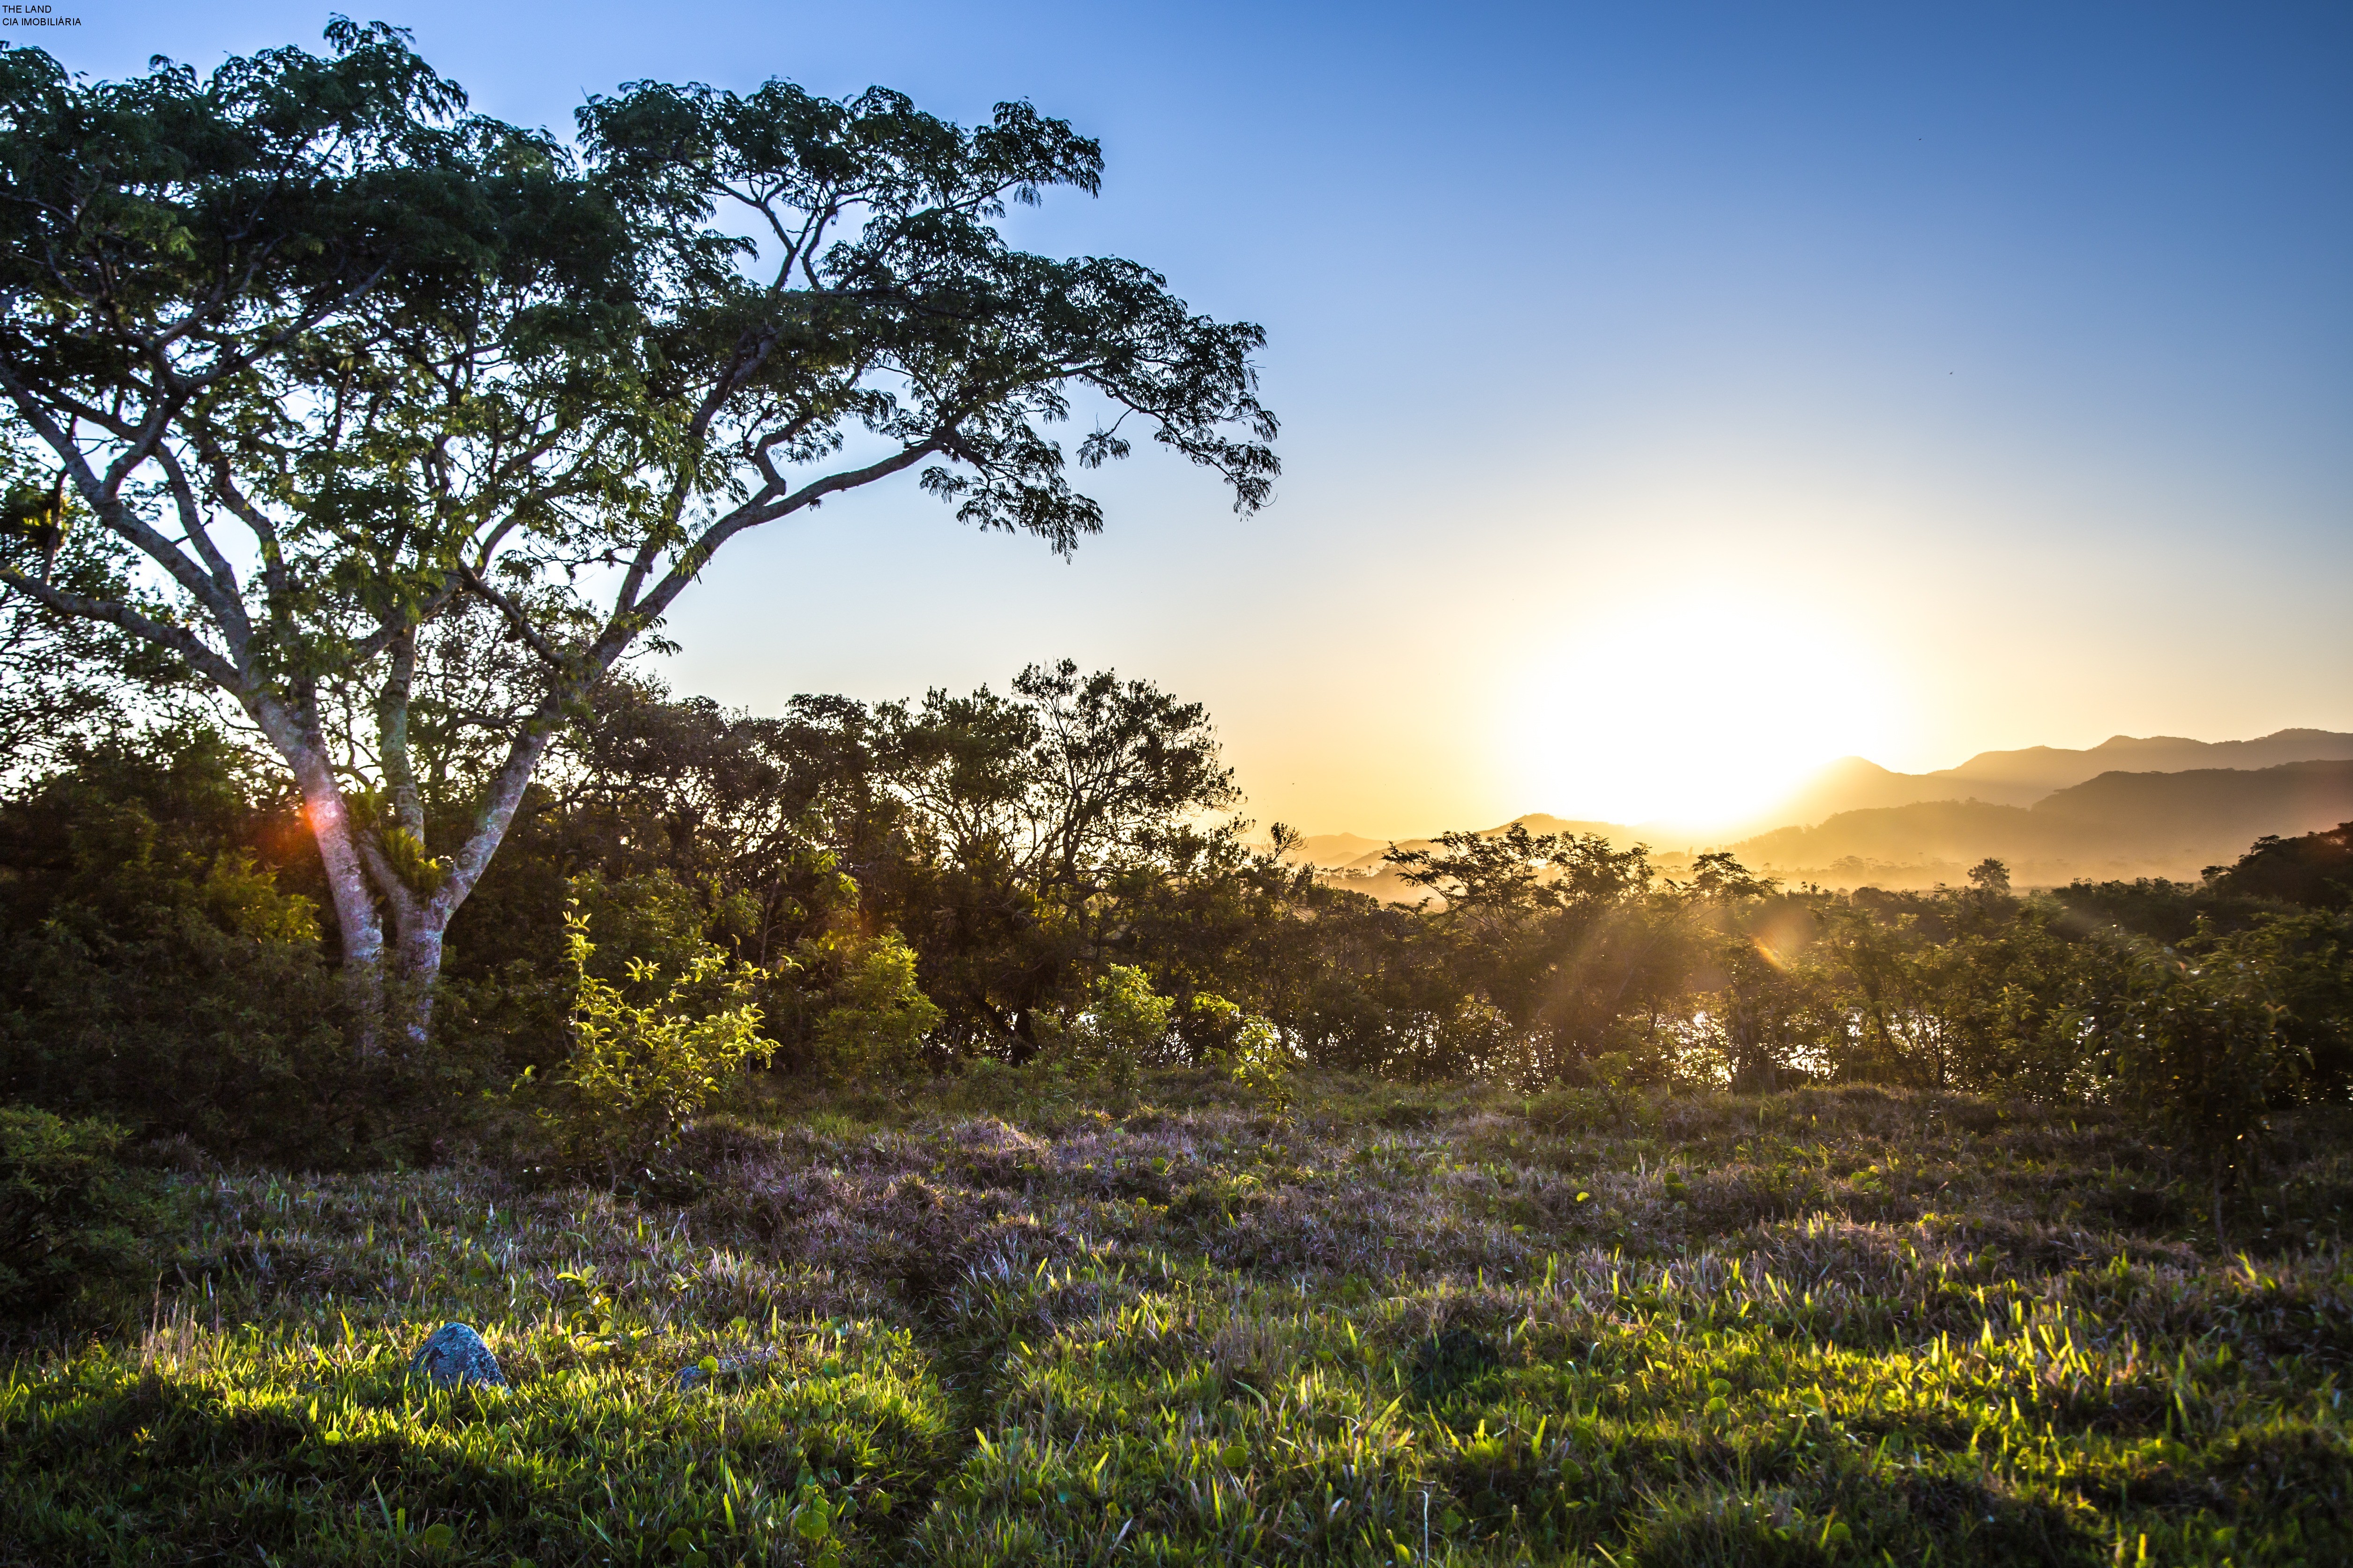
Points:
[(1252, 1049), (155, 968), (1125, 1026), (2213, 1035), (70, 1216), (639, 1069), (1262, 1063), (871, 1020), (1609, 1100)]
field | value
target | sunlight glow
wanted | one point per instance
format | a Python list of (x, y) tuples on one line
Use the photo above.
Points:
[(1695, 717)]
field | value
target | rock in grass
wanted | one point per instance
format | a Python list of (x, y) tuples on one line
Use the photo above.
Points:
[(456, 1356), (709, 1369)]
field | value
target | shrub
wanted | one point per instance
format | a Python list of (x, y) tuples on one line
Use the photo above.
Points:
[(1263, 1062), (1255, 1055), (1124, 1025), (2213, 1035), (155, 968), (228, 1039), (874, 1018), (639, 1069), (70, 1215), (1608, 1100), (656, 917)]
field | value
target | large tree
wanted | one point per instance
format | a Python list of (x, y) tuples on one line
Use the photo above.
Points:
[(340, 359)]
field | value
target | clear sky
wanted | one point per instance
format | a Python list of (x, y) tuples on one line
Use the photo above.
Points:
[(1675, 396)]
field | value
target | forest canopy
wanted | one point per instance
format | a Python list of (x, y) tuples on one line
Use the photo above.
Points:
[(1020, 876)]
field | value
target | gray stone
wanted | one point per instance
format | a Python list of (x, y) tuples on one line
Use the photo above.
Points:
[(698, 1376), (456, 1356)]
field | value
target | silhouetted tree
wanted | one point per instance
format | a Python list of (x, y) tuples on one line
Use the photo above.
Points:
[(2315, 870)]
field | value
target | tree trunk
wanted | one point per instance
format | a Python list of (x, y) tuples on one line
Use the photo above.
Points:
[(328, 816), (422, 923), (361, 880), (414, 972)]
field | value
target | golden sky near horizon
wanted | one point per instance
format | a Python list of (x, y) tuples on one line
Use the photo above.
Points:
[(1622, 652)]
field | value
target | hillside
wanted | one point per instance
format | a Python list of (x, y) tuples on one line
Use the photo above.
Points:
[(2053, 767), (2174, 809), (1331, 850), (2119, 824), (2025, 776)]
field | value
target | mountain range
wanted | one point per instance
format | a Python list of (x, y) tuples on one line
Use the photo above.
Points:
[(2131, 807), (2022, 777)]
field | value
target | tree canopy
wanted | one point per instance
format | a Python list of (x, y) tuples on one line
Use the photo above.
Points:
[(345, 363)]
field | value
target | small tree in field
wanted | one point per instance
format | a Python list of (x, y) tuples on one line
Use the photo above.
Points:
[(341, 363), (641, 1070), (876, 1016)]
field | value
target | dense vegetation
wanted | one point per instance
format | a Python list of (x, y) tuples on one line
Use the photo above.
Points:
[(902, 889)]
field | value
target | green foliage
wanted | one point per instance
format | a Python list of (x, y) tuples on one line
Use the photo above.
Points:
[(71, 1218), (2199, 1044), (1125, 1025), (505, 995), (1262, 1063), (1609, 1102), (1251, 1050), (2213, 1037), (872, 1018), (160, 964), (67, 683), (654, 918), (651, 1052), (1125, 1019), (514, 348), (1044, 895), (418, 870)]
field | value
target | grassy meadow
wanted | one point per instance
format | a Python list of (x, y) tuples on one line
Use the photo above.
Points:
[(1008, 1321)]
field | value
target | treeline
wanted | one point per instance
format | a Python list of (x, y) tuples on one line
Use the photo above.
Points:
[(1052, 878)]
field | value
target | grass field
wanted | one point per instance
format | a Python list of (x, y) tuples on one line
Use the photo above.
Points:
[(1001, 1324)]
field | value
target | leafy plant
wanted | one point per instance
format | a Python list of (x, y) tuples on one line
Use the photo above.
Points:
[(1123, 1026), (875, 1017), (156, 969), (638, 1070), (70, 1215), (2208, 1036), (1262, 1064)]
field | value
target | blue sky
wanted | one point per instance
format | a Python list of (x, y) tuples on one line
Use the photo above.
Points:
[(1675, 394)]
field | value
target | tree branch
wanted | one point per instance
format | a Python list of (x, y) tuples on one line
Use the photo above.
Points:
[(204, 660)]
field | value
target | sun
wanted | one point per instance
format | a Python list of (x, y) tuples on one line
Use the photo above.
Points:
[(1696, 715)]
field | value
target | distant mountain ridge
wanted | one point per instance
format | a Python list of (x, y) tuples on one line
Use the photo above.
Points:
[(2116, 826), (2055, 767), (2159, 805), (2022, 777)]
